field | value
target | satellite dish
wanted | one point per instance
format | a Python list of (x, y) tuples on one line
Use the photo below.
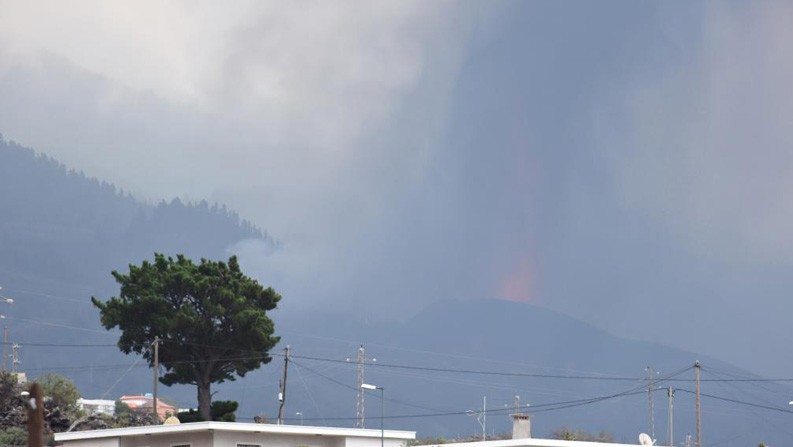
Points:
[(645, 439)]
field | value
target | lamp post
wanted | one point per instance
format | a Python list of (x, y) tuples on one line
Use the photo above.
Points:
[(366, 386), (481, 417)]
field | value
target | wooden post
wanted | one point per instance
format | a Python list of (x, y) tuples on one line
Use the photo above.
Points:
[(35, 417)]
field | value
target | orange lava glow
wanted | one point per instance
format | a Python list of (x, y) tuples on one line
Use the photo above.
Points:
[(517, 286)]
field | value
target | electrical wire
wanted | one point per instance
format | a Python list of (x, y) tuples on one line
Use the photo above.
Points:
[(736, 401), (396, 401), (121, 377), (308, 391), (736, 378), (480, 372)]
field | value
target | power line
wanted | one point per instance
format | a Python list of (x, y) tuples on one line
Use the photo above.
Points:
[(68, 345), (64, 326), (417, 368), (741, 402), (551, 407), (754, 412), (482, 372), (337, 382), (435, 369)]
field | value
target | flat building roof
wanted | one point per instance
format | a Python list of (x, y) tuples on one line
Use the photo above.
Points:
[(239, 427)]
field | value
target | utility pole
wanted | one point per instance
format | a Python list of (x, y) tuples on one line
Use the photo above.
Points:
[(699, 407), (484, 418), (35, 413), (671, 394), (650, 401), (5, 343), (15, 357), (156, 377), (359, 412), (5, 330), (282, 394)]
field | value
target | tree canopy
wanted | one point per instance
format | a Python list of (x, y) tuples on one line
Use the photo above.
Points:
[(569, 434), (61, 390), (210, 318)]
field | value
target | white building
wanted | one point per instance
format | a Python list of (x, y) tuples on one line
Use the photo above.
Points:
[(521, 437), (234, 434), (532, 442), (97, 406)]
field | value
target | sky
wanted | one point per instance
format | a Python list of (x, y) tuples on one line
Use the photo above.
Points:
[(626, 163)]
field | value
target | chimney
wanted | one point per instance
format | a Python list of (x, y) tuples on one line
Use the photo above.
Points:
[(521, 423), (521, 426)]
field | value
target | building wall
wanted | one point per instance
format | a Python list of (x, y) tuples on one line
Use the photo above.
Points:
[(195, 439), (231, 439), (103, 442), (226, 434), (95, 406), (374, 442)]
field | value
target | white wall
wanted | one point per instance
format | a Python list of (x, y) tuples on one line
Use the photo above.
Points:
[(195, 439), (103, 442), (374, 442)]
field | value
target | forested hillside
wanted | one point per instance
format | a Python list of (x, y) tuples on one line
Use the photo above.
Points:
[(58, 223), (61, 234)]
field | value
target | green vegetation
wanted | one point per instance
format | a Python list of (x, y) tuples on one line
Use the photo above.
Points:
[(569, 434), (61, 390), (14, 436), (222, 410), (210, 318), (121, 408)]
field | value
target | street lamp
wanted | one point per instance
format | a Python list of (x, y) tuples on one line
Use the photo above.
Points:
[(300, 413), (366, 386), (6, 299), (481, 417)]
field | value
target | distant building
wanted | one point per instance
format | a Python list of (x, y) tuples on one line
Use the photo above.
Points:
[(528, 442), (521, 437), (97, 406), (145, 404), (234, 434)]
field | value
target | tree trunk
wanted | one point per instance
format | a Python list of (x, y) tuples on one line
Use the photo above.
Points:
[(205, 400)]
